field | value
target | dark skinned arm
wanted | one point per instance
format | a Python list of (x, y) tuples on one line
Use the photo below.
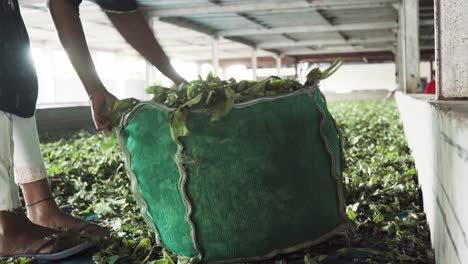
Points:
[(136, 31), (67, 21)]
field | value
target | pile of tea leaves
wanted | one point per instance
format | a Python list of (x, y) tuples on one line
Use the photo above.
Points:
[(217, 97), (88, 178)]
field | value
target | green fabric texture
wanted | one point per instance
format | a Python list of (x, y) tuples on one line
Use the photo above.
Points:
[(152, 152), (259, 180)]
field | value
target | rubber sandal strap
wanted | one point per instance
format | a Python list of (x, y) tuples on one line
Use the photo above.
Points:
[(82, 227), (36, 246)]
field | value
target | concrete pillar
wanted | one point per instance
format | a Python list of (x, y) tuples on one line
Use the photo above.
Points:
[(199, 71), (401, 50), (296, 70), (451, 37), (224, 74), (304, 70), (254, 64), (278, 65), (408, 46), (215, 55)]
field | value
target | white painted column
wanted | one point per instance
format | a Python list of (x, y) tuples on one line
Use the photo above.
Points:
[(408, 46), (224, 72), (401, 48), (254, 64), (451, 25), (199, 71), (296, 70), (278, 65), (304, 66), (215, 55)]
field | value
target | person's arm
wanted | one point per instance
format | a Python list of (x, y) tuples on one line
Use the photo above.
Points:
[(136, 31), (67, 21)]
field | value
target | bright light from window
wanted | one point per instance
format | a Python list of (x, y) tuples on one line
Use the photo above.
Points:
[(238, 72), (206, 68), (188, 70)]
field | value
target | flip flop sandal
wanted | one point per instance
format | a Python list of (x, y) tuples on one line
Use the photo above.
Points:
[(82, 229), (57, 242)]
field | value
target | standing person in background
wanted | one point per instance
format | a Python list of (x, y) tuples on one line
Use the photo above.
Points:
[(130, 22), (431, 86)]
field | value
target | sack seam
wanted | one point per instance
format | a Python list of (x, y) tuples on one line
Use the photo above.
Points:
[(186, 199)]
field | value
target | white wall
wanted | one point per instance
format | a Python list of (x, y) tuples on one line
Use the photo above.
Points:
[(351, 77), (425, 70), (437, 134), (366, 76)]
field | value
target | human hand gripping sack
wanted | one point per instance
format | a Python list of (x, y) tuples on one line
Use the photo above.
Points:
[(102, 102)]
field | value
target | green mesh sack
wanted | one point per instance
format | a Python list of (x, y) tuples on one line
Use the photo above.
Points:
[(262, 181)]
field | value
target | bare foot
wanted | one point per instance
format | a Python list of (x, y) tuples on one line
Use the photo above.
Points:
[(48, 214), (43, 211), (17, 234)]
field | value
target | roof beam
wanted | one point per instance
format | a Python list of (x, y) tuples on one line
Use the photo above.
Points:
[(247, 61), (321, 14), (252, 6), (253, 20), (189, 24), (186, 23), (371, 56), (306, 29), (320, 42), (175, 2), (339, 50), (353, 56)]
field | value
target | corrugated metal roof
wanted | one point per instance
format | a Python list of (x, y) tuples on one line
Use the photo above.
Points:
[(293, 27)]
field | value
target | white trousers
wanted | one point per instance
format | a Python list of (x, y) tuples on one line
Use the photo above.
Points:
[(20, 157)]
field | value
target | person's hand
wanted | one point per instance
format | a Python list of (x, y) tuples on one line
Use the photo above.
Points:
[(178, 80), (102, 103)]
